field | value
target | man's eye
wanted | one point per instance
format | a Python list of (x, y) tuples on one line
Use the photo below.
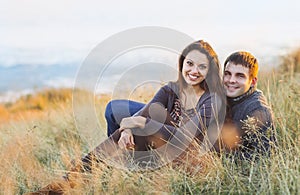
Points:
[(227, 73)]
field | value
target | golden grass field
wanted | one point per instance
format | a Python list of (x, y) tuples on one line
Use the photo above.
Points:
[(39, 138)]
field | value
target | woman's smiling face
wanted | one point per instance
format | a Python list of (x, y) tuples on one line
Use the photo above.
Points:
[(195, 67)]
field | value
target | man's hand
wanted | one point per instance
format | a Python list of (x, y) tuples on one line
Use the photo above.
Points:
[(126, 139), (133, 122)]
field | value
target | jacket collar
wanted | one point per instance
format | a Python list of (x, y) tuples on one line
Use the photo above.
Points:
[(236, 100)]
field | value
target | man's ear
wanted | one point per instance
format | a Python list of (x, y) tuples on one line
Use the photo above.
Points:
[(253, 81)]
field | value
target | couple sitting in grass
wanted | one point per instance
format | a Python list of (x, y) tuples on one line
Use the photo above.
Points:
[(198, 96), (229, 116)]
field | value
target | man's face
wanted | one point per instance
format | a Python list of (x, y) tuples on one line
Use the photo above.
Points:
[(236, 80)]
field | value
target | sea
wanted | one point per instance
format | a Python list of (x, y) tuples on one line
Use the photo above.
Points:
[(20, 80), (125, 73)]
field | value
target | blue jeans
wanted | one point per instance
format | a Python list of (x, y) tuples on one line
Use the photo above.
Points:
[(116, 110)]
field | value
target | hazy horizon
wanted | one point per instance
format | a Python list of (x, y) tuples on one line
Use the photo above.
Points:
[(38, 34)]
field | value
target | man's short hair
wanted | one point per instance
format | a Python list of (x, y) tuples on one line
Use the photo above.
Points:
[(246, 59)]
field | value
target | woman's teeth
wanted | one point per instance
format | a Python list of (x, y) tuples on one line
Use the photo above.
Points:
[(193, 76)]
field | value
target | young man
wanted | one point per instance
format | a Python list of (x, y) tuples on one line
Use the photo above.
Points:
[(248, 114)]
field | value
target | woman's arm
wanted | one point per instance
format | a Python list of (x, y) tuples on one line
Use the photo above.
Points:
[(199, 122), (139, 119)]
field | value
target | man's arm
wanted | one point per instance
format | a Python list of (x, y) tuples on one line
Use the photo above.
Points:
[(258, 133)]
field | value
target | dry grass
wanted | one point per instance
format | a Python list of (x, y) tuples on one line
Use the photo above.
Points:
[(38, 148)]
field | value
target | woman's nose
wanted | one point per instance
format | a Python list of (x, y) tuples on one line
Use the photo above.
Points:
[(195, 69)]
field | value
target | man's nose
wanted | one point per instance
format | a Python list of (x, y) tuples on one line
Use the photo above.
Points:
[(232, 79)]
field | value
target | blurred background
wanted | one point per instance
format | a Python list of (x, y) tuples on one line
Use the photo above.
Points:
[(43, 43)]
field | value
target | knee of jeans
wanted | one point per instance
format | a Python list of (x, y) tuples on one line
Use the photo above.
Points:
[(108, 110)]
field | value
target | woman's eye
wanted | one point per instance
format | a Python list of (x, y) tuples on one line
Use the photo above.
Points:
[(189, 63), (202, 67)]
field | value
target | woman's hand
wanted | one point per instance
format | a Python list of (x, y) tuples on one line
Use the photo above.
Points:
[(126, 140), (133, 122)]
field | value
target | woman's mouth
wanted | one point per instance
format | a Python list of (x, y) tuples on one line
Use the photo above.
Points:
[(193, 77)]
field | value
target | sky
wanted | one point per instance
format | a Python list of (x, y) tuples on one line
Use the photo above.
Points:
[(65, 31)]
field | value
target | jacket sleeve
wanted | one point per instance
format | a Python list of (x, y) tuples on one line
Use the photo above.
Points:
[(258, 133), (156, 124), (156, 109)]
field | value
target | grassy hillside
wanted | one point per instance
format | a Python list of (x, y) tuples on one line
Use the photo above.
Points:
[(39, 138)]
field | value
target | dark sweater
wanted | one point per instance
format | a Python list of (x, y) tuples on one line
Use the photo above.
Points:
[(255, 138)]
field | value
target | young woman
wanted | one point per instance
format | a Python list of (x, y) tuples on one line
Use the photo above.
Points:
[(181, 110), (178, 114)]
